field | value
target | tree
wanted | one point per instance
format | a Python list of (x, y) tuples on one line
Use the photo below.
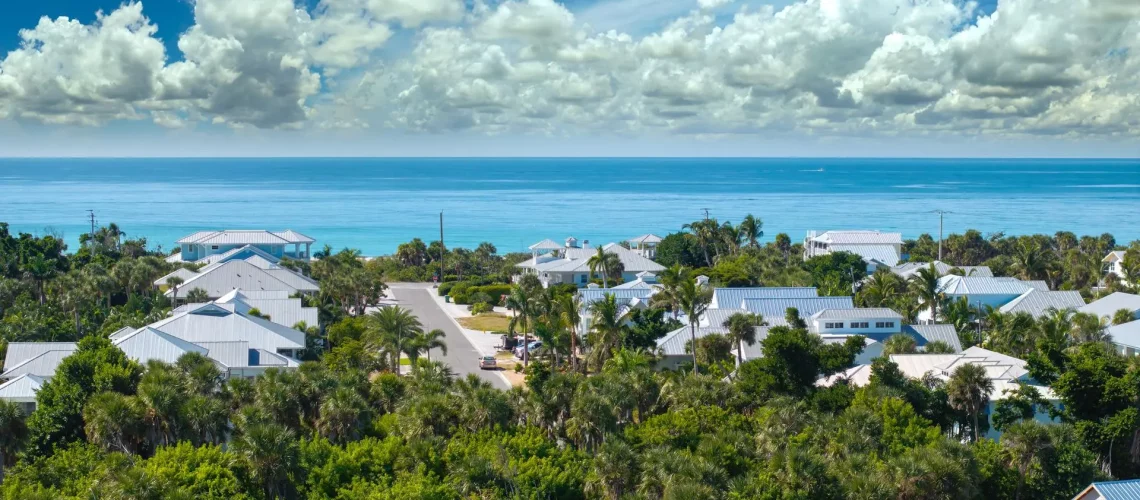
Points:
[(607, 319), (678, 249), (569, 311), (937, 347), (900, 344), (1123, 316), (969, 391), (521, 301), (197, 295), (751, 230), (271, 453), (13, 432), (389, 328), (174, 282), (694, 299), (609, 264), (114, 422), (1030, 261), (836, 273), (925, 286), (742, 330), (432, 340)]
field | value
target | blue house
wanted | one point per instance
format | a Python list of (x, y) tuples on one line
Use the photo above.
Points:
[(203, 244)]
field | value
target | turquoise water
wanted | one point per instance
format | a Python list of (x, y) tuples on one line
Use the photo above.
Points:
[(374, 204)]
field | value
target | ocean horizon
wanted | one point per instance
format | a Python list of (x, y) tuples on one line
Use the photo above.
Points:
[(373, 204)]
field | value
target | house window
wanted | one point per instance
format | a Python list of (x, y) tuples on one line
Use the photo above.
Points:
[(884, 324), (833, 325), (859, 324), (583, 279), (213, 247)]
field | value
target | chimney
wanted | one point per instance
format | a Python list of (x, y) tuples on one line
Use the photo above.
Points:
[(571, 242), (702, 280), (585, 243)]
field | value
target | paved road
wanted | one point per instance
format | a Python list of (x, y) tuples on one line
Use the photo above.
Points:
[(461, 355)]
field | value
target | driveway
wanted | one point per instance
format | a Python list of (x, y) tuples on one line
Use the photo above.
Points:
[(461, 354)]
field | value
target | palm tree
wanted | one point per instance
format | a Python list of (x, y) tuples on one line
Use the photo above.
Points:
[(1122, 316), (730, 236), (341, 415), (705, 231), (694, 299), (521, 303), (197, 295), (612, 471), (609, 264), (899, 344), (751, 230), (924, 284), (173, 282), (882, 289), (206, 419), (670, 280), (1030, 260), (13, 432), (607, 321), (742, 329), (272, 452), (969, 391), (433, 340), (160, 395), (570, 312), (1025, 440), (389, 328), (113, 421)]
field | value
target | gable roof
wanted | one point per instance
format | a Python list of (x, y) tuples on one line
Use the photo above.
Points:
[(1037, 303), (231, 354), (645, 238), (22, 389), (857, 313), (149, 344), (733, 297), (43, 364), (925, 334), (971, 285), (1112, 490), (547, 244), (909, 269), (1107, 306), (862, 237), (223, 278), (292, 236), (19, 352), (1127, 334), (1114, 256), (774, 310), (233, 237), (212, 323), (884, 254)]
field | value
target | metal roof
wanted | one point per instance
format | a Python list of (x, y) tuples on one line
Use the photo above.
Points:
[(926, 334), (285, 312), (857, 313), (860, 238), (1038, 303), (547, 244), (181, 272), (126, 330), (43, 365), (19, 352), (777, 308), (673, 343), (293, 236), (149, 344), (1107, 306), (239, 274), (1127, 334), (576, 260), (211, 323), (22, 389), (717, 317), (645, 238), (591, 295), (969, 285), (1114, 256), (909, 269), (233, 354), (885, 254), (242, 237), (733, 297), (1118, 490)]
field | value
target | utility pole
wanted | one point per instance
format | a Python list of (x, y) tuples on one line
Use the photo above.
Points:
[(91, 215), (706, 213), (441, 247), (940, 214)]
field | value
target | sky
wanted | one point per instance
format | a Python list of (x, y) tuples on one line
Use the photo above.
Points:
[(911, 78)]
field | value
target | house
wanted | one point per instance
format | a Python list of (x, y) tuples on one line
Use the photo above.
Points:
[(255, 275), (554, 264), (626, 298), (1038, 303), (1111, 490), (1106, 307), (1006, 372), (997, 292), (733, 297), (202, 244), (1114, 263), (240, 344), (22, 391), (906, 270), (1125, 337), (275, 306), (877, 249), (645, 245)]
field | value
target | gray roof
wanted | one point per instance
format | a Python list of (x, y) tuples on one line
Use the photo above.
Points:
[(547, 244), (1105, 307), (19, 352), (860, 238), (1117, 490), (43, 365), (234, 354), (622, 295), (969, 285), (674, 342), (252, 254), (22, 389), (1127, 334), (1037, 303), (293, 236), (926, 334), (909, 269), (777, 308), (645, 238), (885, 254), (717, 317), (181, 272), (285, 312), (234, 237), (857, 313), (239, 274), (148, 344), (211, 323), (733, 297), (576, 260)]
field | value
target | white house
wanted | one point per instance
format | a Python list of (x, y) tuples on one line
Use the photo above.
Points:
[(555, 264), (1106, 307), (908, 269), (1033, 297), (254, 274), (22, 391), (202, 244), (1006, 373), (1114, 263), (645, 245), (276, 306), (877, 249), (1126, 337)]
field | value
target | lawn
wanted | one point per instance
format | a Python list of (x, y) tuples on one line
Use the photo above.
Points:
[(490, 322)]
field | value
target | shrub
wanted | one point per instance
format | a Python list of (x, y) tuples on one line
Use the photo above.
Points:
[(446, 287), (460, 292), (481, 308), (496, 292)]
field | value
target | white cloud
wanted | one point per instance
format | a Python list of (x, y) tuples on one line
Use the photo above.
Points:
[(814, 67)]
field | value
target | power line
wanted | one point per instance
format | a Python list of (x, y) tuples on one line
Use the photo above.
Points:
[(940, 213)]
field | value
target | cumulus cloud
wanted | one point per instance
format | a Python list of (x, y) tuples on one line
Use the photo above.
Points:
[(818, 67)]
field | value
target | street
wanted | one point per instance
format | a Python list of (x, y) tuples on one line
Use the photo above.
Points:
[(461, 355)]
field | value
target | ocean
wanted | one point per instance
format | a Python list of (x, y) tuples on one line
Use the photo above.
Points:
[(375, 204)]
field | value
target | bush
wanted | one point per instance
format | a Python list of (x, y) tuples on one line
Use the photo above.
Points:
[(460, 292), (465, 292), (481, 308), (496, 291), (446, 287)]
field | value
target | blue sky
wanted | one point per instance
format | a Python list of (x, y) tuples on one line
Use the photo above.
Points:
[(597, 77)]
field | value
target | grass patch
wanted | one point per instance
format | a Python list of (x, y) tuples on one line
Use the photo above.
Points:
[(489, 322)]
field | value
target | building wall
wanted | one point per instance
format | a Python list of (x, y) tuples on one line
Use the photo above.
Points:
[(821, 326), (195, 251)]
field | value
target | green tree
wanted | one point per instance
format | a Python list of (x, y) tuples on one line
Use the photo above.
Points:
[(969, 391), (13, 432), (742, 330), (751, 230), (607, 320), (694, 299), (924, 285), (388, 330), (900, 344)]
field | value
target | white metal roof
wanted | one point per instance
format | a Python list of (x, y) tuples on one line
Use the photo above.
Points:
[(1107, 306), (777, 308), (19, 352), (857, 313), (1038, 303), (576, 260), (211, 323), (968, 285), (149, 344), (1114, 256), (234, 354), (645, 238), (733, 297), (293, 236), (673, 343), (235, 274), (22, 389), (181, 272), (43, 364), (860, 238), (885, 254), (926, 334), (1127, 334), (717, 317), (285, 312), (908, 269), (547, 244)]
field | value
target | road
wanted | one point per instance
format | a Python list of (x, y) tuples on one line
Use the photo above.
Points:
[(461, 355)]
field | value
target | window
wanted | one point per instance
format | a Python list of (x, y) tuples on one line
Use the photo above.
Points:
[(213, 247), (584, 279), (858, 324), (884, 324), (833, 325)]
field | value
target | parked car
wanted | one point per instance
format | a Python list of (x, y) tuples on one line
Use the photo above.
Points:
[(488, 363), (530, 348)]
